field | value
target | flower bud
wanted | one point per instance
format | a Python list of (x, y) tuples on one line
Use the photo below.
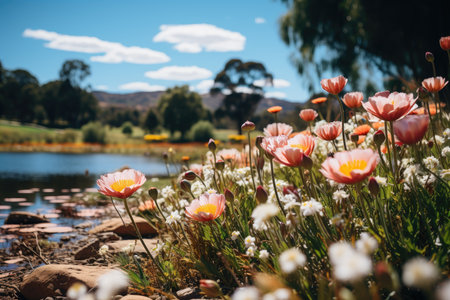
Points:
[(210, 288), (153, 192), (189, 175), (185, 185), (422, 93), (430, 144), (307, 162), (429, 56), (379, 137), (212, 145), (261, 194), (165, 156), (220, 164), (229, 195), (354, 137), (248, 126), (373, 186)]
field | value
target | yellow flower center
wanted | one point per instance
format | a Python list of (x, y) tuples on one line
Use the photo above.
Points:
[(352, 165), (120, 185), (207, 208), (299, 146)]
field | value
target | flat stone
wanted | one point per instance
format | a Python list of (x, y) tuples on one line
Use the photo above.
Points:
[(23, 218), (88, 251), (54, 280), (117, 246), (115, 225), (187, 293), (135, 297)]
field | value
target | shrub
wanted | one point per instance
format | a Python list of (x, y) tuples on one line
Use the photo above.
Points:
[(67, 136), (127, 128), (94, 132), (202, 131)]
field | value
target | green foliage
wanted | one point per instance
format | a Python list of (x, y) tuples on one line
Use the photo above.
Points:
[(180, 109), (202, 131), (127, 128), (237, 105), (74, 71), (94, 132), (151, 121), (351, 37)]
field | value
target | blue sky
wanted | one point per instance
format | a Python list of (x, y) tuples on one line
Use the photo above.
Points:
[(147, 45)]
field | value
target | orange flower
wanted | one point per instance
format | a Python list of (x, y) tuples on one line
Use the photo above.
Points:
[(308, 115), (362, 130), (334, 85), (377, 125), (411, 129), (185, 158), (274, 109), (350, 167), (121, 184), (207, 208), (361, 139), (148, 205), (434, 84), (319, 100), (353, 100), (444, 42)]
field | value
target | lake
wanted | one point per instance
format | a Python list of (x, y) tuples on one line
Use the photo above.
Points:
[(28, 180)]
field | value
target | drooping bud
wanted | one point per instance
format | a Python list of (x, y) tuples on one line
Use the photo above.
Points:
[(429, 56), (261, 194), (260, 162), (229, 195), (373, 186), (307, 162), (189, 175), (258, 142), (165, 156), (212, 145), (248, 126), (153, 192), (185, 185), (422, 93), (430, 144), (220, 164), (210, 288), (379, 137)]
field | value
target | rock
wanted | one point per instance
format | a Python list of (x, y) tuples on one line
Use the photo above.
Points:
[(108, 236), (117, 246), (135, 297), (84, 225), (88, 251), (54, 280), (115, 225), (187, 293), (24, 218)]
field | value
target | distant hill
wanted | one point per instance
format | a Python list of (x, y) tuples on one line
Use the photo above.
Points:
[(143, 100)]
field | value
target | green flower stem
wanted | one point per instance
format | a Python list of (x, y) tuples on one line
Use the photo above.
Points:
[(389, 150), (120, 216), (250, 160), (142, 241), (275, 186), (394, 150), (341, 106)]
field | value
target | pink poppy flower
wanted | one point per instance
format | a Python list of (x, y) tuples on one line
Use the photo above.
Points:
[(196, 168), (334, 85), (283, 129), (272, 143), (308, 115), (289, 156), (411, 129), (353, 100), (207, 207), (329, 131), (434, 84), (304, 142), (121, 184), (390, 106), (444, 42), (350, 167)]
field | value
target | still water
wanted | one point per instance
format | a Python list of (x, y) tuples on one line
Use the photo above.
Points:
[(57, 174)]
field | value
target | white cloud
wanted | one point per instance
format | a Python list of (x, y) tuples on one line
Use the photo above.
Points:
[(194, 38), (260, 20), (280, 95), (101, 87), (179, 73), (244, 90), (141, 86), (112, 52), (204, 86), (277, 83)]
